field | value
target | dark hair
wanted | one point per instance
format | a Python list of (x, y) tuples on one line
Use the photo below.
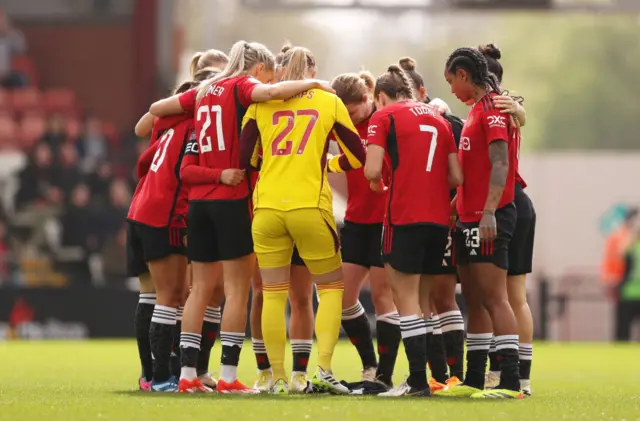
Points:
[(394, 83), (199, 76), (492, 54), (474, 63), (631, 214), (409, 66)]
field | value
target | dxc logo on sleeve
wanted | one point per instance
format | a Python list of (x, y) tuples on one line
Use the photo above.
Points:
[(497, 121)]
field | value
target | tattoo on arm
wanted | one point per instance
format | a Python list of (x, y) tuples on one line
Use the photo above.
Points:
[(499, 157)]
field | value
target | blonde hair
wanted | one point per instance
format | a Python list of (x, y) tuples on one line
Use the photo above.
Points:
[(352, 87), (200, 76), (297, 61), (242, 57), (209, 58)]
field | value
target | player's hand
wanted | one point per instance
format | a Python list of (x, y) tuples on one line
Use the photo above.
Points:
[(453, 218), (488, 226), (378, 186), (232, 176), (441, 106), (325, 86), (505, 104)]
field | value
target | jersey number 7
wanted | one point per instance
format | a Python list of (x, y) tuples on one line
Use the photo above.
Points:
[(204, 140), (290, 115), (433, 145)]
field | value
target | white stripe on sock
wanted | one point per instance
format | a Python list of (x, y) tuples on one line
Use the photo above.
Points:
[(507, 342), (411, 326), (164, 315), (353, 312), (392, 318)]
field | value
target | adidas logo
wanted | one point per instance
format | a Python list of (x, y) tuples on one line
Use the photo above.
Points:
[(473, 253)]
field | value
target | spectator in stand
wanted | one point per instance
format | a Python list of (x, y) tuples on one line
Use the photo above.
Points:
[(92, 144), (613, 262), (100, 183), (4, 255), (114, 256), (116, 210), (66, 173), (628, 309), (12, 42), (56, 133), (79, 221), (35, 180)]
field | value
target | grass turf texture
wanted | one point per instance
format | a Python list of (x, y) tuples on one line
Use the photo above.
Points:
[(97, 380)]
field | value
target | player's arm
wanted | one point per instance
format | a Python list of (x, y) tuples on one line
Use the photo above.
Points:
[(456, 177), (283, 90), (509, 105), (176, 104), (249, 140), (144, 125), (376, 147), (497, 135), (145, 160), (353, 155)]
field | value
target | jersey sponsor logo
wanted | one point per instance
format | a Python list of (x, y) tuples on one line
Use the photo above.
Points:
[(371, 131), (465, 144), (497, 121), (192, 148)]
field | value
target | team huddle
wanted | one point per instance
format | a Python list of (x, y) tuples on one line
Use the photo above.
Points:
[(234, 199)]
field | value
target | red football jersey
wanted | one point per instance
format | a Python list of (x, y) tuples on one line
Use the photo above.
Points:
[(217, 119), (485, 124), (160, 196), (364, 206), (418, 142)]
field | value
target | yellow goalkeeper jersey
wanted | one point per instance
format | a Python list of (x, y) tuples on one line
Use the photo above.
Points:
[(291, 139)]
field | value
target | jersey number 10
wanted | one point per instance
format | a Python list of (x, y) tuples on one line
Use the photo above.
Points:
[(205, 141), (290, 115), (433, 145), (161, 150)]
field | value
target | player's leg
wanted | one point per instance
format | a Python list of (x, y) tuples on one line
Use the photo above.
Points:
[(300, 323), (436, 354), (175, 349), (387, 322), (489, 269), (403, 256), (355, 267), (315, 235), (210, 330), (452, 324), (265, 374), (205, 269), (273, 249), (144, 310)]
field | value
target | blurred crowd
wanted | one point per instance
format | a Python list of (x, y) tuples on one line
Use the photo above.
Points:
[(66, 179)]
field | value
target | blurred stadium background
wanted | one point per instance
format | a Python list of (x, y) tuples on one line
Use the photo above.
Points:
[(77, 74)]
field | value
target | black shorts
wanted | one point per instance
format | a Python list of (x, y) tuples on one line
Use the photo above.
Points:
[(146, 244), (219, 230), (448, 262), (469, 248), (361, 244), (415, 249), (521, 246), (296, 259)]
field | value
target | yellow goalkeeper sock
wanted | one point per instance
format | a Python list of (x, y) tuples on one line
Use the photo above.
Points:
[(328, 320), (274, 328)]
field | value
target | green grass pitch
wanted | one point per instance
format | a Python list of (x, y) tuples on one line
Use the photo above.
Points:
[(96, 380)]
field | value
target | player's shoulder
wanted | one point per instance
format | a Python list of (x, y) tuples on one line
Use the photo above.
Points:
[(486, 104)]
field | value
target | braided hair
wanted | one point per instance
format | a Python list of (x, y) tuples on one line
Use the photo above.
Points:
[(394, 83), (474, 63)]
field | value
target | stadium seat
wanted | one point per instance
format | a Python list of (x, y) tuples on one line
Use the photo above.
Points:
[(24, 65), (60, 100), (25, 99), (73, 128), (111, 133), (32, 128)]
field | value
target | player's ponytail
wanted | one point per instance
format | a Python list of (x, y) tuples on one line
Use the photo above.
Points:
[(298, 63), (395, 84), (368, 79), (409, 66), (193, 66)]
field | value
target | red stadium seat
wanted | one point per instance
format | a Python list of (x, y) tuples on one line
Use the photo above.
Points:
[(24, 65), (32, 128), (60, 100), (111, 133), (73, 128), (25, 99)]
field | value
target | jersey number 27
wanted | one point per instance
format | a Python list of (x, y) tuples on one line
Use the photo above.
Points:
[(204, 140), (290, 115)]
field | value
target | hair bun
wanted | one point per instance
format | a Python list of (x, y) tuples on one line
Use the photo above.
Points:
[(491, 51), (408, 64), (394, 68), (286, 47)]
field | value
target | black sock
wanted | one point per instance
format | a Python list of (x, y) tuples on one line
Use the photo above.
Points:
[(301, 349), (494, 361), (161, 337), (414, 337), (526, 355), (477, 350), (507, 346), (452, 325), (231, 346), (174, 362), (356, 326), (389, 337), (435, 351), (260, 351), (189, 349), (210, 330), (142, 324)]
